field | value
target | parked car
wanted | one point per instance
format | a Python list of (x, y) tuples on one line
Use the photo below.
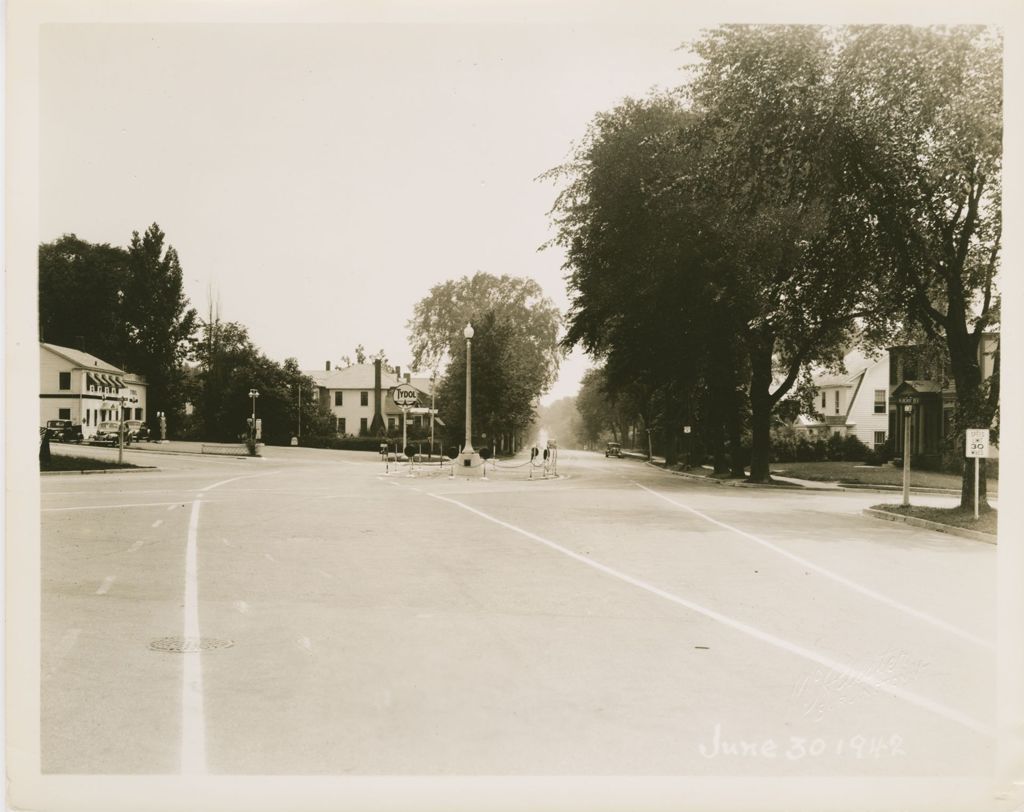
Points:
[(137, 430), (613, 450), (107, 433), (63, 431)]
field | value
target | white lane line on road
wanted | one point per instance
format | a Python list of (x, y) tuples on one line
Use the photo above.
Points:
[(863, 677), (235, 479), (305, 643), (193, 723), (241, 606), (105, 586), (136, 546), (110, 507), (803, 562), (269, 557), (157, 523), (174, 506)]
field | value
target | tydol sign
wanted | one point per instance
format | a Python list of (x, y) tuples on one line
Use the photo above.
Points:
[(405, 395)]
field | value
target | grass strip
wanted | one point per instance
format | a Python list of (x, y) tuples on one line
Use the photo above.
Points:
[(63, 462), (953, 517)]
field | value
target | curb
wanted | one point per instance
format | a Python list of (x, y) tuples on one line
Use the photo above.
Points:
[(975, 535), (144, 469), (921, 489), (838, 486), (739, 483), (193, 453)]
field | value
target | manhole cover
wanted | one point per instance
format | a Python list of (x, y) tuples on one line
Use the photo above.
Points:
[(189, 644)]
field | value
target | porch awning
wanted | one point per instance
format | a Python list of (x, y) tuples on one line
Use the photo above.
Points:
[(910, 392), (104, 380)]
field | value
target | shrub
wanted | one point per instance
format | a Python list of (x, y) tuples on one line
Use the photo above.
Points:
[(854, 449), (345, 443)]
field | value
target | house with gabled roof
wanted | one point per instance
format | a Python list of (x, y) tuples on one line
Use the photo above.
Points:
[(77, 386), (854, 402), (358, 394)]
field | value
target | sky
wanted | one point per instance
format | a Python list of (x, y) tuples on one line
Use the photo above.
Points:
[(318, 179)]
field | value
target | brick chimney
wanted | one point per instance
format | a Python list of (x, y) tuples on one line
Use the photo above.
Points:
[(377, 424), (398, 373), (327, 367)]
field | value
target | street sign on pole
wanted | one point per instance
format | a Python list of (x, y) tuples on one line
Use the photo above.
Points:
[(976, 446), (977, 443), (405, 395)]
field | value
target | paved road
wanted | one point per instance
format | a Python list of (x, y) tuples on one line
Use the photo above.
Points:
[(618, 620)]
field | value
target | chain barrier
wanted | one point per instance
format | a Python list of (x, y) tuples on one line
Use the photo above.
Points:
[(425, 468)]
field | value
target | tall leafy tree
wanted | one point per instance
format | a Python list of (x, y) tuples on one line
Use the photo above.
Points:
[(435, 330), (923, 107), (159, 321), (229, 365), (796, 263), (81, 296), (633, 253), (515, 348), (504, 390)]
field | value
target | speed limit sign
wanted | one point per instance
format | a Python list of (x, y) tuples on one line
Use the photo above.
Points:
[(977, 442)]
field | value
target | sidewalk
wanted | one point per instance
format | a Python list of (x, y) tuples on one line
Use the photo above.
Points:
[(805, 484), (177, 446)]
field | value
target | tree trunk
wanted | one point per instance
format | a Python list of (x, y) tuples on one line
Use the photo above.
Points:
[(737, 467), (670, 433), (975, 407), (716, 439), (671, 440), (761, 410)]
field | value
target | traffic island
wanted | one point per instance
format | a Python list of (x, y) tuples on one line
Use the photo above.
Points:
[(502, 470)]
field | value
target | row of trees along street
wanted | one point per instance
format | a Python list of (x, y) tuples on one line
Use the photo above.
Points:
[(127, 306), (808, 187)]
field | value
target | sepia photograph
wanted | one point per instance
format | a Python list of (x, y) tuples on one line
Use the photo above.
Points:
[(513, 406)]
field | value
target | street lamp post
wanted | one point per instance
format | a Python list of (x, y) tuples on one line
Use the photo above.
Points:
[(433, 379), (468, 333), (120, 432), (298, 409), (468, 455), (908, 410), (252, 431)]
